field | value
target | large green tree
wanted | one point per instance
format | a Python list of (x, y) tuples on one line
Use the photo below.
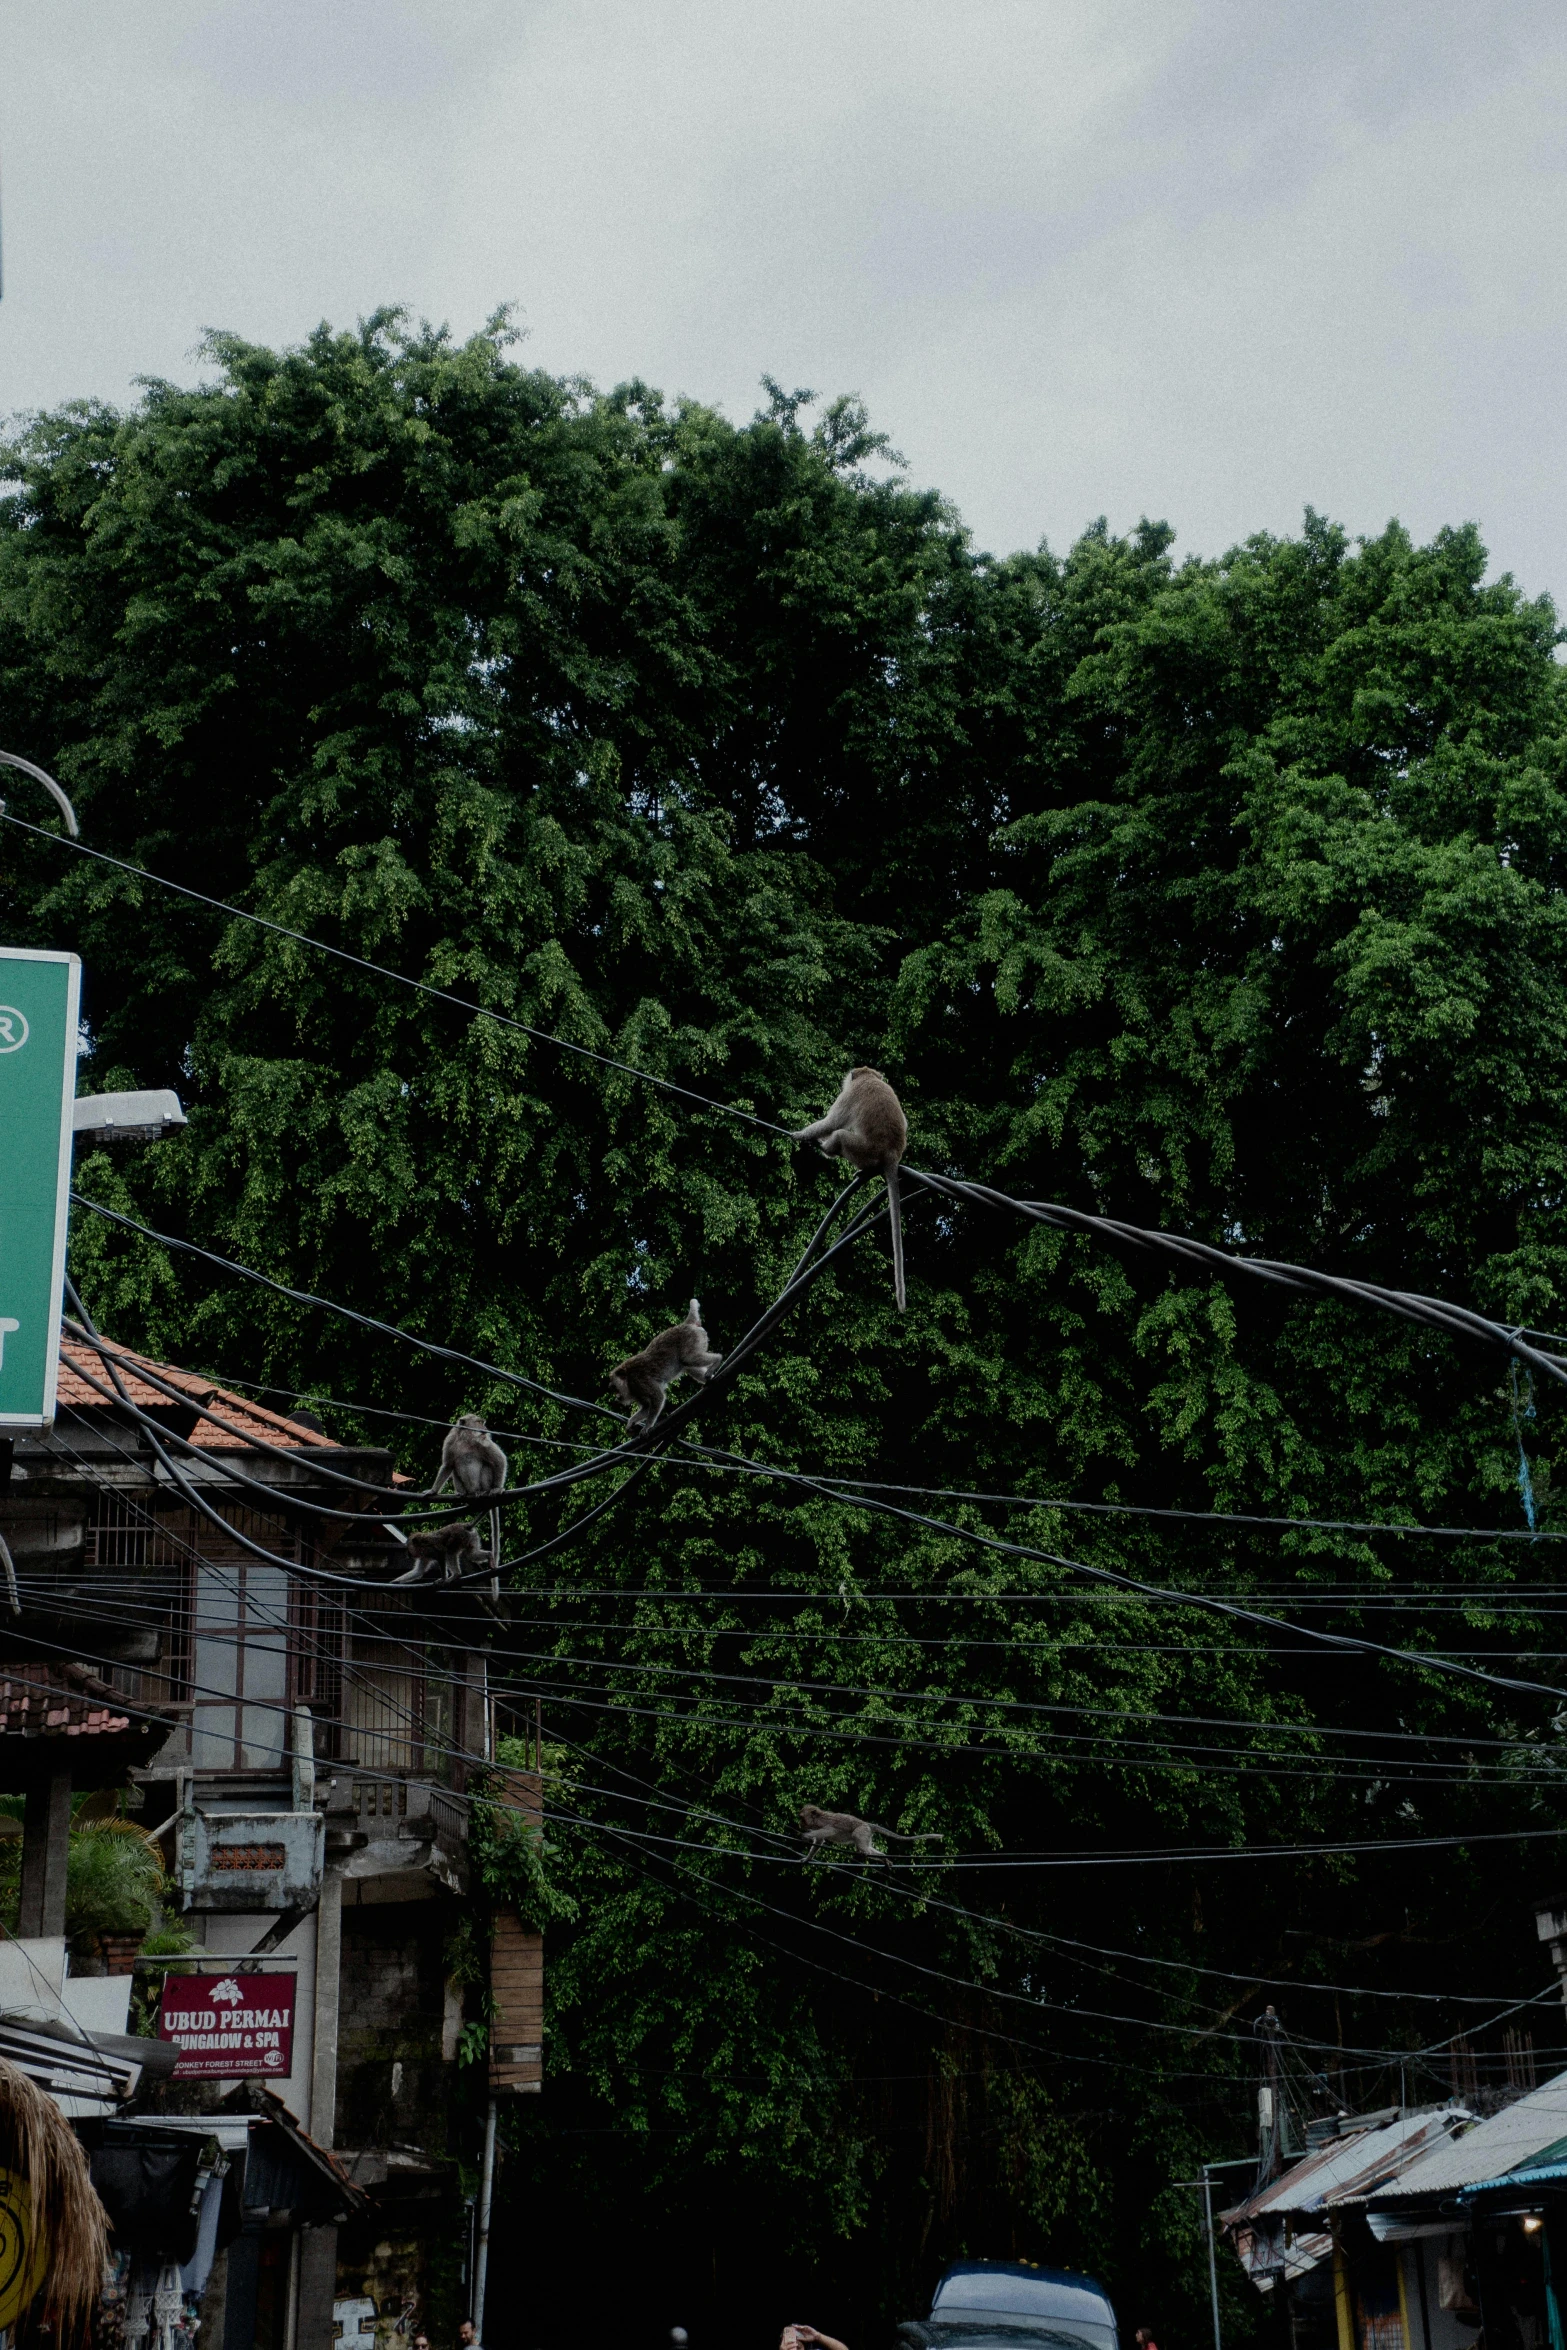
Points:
[(1226, 896)]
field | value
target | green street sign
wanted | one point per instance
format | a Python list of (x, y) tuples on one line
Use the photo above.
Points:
[(39, 995)]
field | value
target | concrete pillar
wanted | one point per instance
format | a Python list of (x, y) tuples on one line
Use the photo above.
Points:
[(46, 1846), (317, 2288), (329, 1954)]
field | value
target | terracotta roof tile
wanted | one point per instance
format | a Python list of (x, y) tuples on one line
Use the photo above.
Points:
[(38, 1700), (254, 1419)]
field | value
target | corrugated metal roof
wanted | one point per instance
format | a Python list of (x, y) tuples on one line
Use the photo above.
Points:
[(1491, 2148), (1549, 2164), (1309, 2184)]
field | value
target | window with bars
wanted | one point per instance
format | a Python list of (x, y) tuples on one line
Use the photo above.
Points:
[(240, 1641), (397, 1706), (138, 1565)]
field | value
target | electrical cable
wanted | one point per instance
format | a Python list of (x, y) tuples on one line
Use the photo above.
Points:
[(1272, 1726), (1041, 1501), (1341, 1641), (989, 1919), (303, 1297), (400, 979), (1407, 1305), (993, 1991)]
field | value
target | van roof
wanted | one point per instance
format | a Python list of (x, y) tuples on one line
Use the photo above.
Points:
[(1063, 2279)]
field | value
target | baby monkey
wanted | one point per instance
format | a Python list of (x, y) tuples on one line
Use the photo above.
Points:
[(646, 1379), (821, 1828), (867, 1127), (440, 1553)]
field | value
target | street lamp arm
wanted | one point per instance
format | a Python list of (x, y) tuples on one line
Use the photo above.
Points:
[(12, 759)]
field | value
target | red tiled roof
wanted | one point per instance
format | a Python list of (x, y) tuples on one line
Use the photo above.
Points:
[(57, 1701), (253, 1419)]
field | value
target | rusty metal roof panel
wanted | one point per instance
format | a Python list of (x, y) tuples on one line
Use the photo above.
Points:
[(1329, 2169)]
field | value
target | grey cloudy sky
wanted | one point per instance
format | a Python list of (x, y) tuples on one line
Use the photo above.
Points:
[(1204, 259)]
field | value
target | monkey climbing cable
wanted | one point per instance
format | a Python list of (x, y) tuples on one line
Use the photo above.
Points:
[(798, 1281), (642, 1450), (654, 1441)]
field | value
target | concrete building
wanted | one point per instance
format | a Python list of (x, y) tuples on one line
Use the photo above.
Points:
[(305, 1735)]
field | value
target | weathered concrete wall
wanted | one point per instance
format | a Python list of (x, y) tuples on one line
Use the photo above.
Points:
[(393, 2087)]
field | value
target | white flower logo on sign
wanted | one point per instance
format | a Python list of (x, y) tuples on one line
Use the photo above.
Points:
[(227, 1993)]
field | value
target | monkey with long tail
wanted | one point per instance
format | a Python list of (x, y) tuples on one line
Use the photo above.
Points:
[(867, 1127)]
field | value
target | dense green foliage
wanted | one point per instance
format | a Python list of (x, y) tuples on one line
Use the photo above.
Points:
[(1223, 895), (114, 1877)]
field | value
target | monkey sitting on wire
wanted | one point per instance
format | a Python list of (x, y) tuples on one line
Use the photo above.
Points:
[(471, 1460), (473, 1463), (867, 1127), (821, 1828), (681, 1351)]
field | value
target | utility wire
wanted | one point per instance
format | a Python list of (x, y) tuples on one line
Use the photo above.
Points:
[(989, 1918), (1344, 1642), (1031, 1501), (422, 987), (303, 1297), (1408, 1305)]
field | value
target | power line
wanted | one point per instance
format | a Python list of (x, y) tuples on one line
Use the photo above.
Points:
[(422, 987), (1035, 1934), (974, 1702), (304, 1297), (1342, 1641), (1031, 1501), (1408, 1305)]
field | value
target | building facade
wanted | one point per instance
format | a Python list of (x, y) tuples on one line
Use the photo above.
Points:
[(305, 1735)]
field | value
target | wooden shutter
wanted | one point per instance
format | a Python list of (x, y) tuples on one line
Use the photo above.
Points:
[(517, 1987)]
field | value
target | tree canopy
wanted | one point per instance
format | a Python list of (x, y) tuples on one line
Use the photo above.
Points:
[(1224, 895)]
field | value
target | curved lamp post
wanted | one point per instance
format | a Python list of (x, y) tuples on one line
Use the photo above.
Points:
[(11, 759)]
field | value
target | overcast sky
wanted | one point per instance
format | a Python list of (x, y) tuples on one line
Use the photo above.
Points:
[(1209, 260)]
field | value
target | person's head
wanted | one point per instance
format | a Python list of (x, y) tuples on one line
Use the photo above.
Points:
[(467, 2332), (421, 2342)]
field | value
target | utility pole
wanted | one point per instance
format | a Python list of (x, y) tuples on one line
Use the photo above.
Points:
[(1229, 2162), (1550, 1923), (1270, 2136), (481, 2261)]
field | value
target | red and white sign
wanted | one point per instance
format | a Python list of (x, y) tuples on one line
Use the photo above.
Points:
[(230, 2027)]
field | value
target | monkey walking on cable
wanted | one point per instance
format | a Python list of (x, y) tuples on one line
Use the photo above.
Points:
[(681, 1351), (867, 1127), (821, 1828), (441, 1553)]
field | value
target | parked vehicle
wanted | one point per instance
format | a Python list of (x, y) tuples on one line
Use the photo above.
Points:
[(1012, 2305)]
